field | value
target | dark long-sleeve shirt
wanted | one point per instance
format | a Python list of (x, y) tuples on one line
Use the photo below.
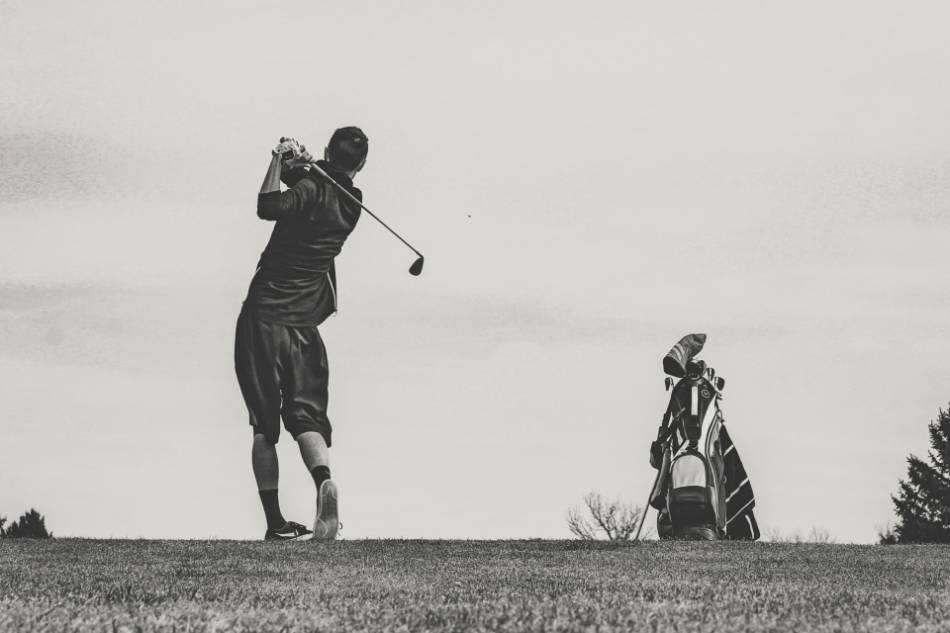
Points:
[(295, 282)]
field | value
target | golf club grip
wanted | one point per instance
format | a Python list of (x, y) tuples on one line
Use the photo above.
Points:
[(317, 169)]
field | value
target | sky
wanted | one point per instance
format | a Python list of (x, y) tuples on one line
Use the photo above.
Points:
[(588, 183)]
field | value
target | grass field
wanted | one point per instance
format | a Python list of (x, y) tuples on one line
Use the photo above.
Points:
[(86, 585)]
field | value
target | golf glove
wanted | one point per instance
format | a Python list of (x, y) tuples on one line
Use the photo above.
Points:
[(288, 148)]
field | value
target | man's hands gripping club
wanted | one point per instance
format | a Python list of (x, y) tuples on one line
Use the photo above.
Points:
[(293, 153), (289, 154)]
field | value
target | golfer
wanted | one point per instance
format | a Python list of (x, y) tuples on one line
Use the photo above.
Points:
[(279, 357)]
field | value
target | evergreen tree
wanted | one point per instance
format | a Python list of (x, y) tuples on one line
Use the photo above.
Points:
[(923, 504), (31, 525)]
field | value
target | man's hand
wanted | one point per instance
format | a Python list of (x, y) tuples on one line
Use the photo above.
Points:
[(287, 149), (303, 158), (293, 154), (288, 155)]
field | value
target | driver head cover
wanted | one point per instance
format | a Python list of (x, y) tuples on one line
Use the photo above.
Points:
[(674, 363)]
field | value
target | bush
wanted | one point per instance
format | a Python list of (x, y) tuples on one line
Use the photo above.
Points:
[(887, 535), (612, 520), (31, 525), (816, 534)]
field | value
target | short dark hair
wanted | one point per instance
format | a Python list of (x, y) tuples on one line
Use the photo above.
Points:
[(348, 148)]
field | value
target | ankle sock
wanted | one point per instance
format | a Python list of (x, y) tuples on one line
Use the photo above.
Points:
[(320, 474), (275, 519)]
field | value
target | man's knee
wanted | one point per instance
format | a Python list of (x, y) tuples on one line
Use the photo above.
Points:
[(309, 431), (265, 439), (310, 437)]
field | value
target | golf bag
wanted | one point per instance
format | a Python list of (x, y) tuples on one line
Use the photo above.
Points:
[(702, 489)]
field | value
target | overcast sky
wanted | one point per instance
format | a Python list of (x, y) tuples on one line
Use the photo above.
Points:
[(588, 182)]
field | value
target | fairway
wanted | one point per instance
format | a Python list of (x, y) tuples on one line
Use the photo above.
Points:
[(86, 585)]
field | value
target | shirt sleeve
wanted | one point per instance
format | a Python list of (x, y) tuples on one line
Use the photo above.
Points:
[(291, 177), (295, 202)]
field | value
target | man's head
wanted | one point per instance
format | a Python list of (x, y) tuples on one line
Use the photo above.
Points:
[(347, 149)]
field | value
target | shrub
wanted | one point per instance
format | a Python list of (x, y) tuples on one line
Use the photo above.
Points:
[(31, 524), (612, 520)]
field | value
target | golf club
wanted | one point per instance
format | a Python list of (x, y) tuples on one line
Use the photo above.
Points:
[(416, 267), (646, 507)]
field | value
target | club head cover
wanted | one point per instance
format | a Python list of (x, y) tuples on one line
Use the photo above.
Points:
[(674, 363)]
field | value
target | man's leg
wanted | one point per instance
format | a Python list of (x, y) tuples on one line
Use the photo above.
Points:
[(304, 411), (267, 472), (313, 449), (316, 456), (255, 361)]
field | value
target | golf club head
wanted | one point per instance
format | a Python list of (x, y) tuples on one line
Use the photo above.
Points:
[(416, 267)]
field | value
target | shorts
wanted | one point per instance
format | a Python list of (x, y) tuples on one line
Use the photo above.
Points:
[(283, 373)]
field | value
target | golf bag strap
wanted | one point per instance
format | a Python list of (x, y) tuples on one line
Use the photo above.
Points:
[(666, 428)]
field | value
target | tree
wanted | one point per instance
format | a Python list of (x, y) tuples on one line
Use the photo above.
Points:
[(923, 503), (31, 525), (3, 521), (612, 520)]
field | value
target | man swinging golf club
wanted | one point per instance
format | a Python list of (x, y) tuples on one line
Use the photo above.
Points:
[(279, 357)]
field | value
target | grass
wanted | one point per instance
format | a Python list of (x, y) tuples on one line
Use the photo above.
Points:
[(88, 585)]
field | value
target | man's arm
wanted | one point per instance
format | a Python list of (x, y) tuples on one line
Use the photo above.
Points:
[(296, 201), (303, 192), (272, 178)]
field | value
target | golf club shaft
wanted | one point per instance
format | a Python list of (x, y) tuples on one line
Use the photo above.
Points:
[(317, 169), (646, 506)]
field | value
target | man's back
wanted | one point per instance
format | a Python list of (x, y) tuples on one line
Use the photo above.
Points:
[(295, 280)]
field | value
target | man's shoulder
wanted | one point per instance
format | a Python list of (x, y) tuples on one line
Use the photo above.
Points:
[(309, 182), (310, 191), (319, 180)]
